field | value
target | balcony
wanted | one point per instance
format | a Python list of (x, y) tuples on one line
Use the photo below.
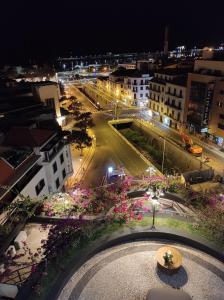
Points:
[(171, 117), (19, 186), (167, 103), (158, 101), (180, 96), (52, 148)]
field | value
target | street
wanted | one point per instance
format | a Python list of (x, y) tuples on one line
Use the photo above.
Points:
[(216, 157), (111, 150)]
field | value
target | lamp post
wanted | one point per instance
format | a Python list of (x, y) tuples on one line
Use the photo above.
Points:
[(154, 204), (115, 112), (164, 147)]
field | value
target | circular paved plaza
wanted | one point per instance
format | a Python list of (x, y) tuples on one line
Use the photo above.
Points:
[(129, 271)]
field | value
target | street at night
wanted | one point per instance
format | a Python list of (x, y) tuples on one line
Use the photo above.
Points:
[(112, 150)]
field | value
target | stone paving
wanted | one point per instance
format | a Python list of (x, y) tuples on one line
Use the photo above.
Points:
[(129, 271)]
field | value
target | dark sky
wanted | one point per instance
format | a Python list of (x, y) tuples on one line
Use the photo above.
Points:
[(45, 29)]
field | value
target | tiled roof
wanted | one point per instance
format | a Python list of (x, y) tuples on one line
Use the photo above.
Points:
[(6, 171), (127, 73), (34, 137)]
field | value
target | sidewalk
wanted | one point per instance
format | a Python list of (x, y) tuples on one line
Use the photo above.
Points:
[(80, 164), (212, 147)]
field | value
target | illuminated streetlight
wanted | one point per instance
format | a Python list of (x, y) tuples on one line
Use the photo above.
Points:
[(164, 147), (110, 170)]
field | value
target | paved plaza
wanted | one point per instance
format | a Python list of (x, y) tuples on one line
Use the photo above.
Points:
[(129, 271)]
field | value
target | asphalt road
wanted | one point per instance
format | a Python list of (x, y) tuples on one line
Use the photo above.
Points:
[(111, 150)]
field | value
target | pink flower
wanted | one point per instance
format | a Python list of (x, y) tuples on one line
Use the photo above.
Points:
[(139, 218)]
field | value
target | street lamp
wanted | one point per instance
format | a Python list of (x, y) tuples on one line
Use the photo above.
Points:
[(164, 147), (155, 203), (116, 104)]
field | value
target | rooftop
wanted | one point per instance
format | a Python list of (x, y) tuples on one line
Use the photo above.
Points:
[(127, 73), (30, 137), (10, 175), (174, 71), (181, 81), (15, 157)]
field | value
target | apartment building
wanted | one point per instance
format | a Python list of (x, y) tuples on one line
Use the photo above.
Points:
[(127, 85), (54, 153), (47, 92), (203, 94), (167, 97), (21, 173), (216, 124)]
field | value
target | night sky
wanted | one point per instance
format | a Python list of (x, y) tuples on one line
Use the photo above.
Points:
[(43, 30)]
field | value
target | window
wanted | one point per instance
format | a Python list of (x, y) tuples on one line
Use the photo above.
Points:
[(141, 82), (146, 94), (63, 174), (55, 167), (181, 94), (219, 103), (135, 82), (141, 95), (39, 186), (141, 88), (57, 183), (62, 158)]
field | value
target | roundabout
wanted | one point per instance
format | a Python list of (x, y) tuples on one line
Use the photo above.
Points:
[(130, 271)]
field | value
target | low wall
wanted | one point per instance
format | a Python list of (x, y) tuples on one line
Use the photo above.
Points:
[(132, 235), (112, 125)]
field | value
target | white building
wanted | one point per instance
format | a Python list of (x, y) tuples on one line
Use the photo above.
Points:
[(48, 93), (136, 88), (54, 153), (21, 173), (127, 85)]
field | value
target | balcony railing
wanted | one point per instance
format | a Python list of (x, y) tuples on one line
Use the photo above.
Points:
[(174, 94), (49, 155), (167, 103)]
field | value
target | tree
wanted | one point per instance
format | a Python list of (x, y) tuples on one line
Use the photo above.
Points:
[(75, 106), (84, 121), (81, 139)]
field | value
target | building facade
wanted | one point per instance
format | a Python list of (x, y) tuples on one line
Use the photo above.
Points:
[(167, 98), (47, 92), (21, 174), (216, 124), (201, 96), (127, 85), (54, 152)]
